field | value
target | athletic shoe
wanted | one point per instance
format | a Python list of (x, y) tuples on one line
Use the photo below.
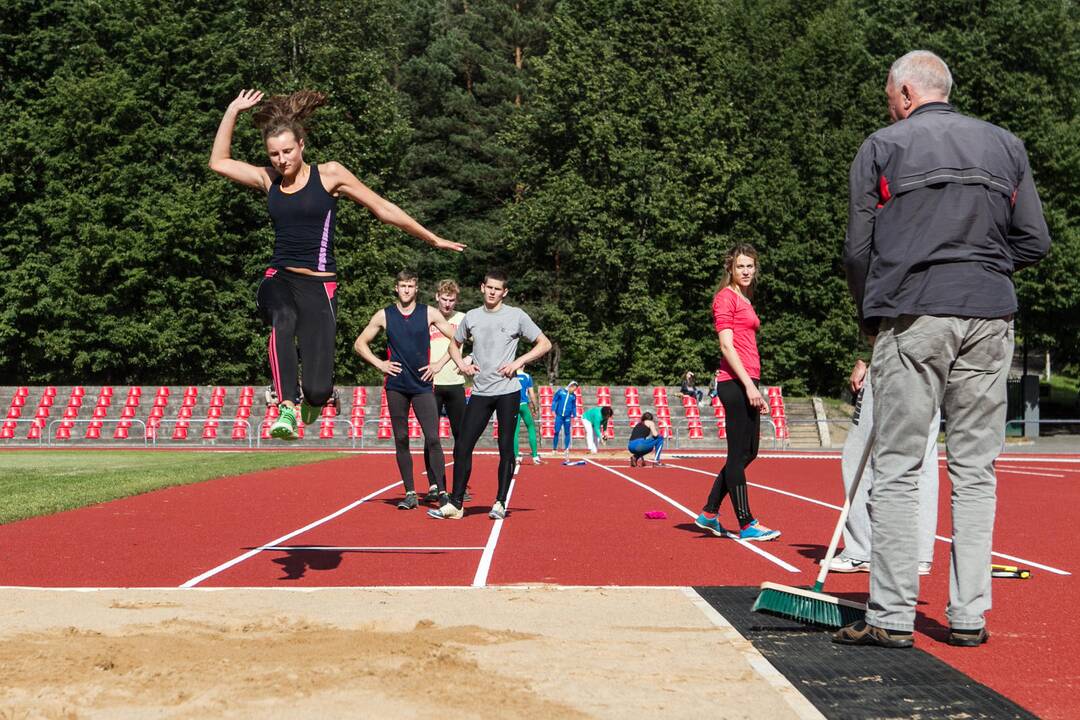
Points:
[(757, 532), (446, 512), (468, 496), (498, 511), (409, 502), (284, 428), (432, 497), (841, 564), (536, 460), (860, 633), (658, 464), (925, 568), (711, 524), (633, 461), (968, 638)]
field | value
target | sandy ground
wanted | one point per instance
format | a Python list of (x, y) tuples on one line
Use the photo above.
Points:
[(373, 653)]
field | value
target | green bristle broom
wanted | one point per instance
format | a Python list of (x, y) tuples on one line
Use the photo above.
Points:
[(813, 606)]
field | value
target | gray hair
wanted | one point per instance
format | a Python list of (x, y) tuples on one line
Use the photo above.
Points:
[(923, 71)]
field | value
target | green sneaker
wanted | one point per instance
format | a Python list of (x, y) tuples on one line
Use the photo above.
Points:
[(285, 426), (309, 413)]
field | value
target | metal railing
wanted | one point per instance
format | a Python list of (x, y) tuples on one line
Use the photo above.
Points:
[(350, 425), (32, 421)]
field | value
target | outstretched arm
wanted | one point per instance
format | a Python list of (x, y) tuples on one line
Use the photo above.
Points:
[(221, 160), (345, 183), (362, 346)]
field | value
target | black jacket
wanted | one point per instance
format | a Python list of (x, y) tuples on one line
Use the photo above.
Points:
[(942, 210)]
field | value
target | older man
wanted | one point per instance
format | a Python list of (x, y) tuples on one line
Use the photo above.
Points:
[(943, 210)]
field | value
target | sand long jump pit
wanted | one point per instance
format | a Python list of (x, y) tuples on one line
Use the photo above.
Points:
[(536, 652)]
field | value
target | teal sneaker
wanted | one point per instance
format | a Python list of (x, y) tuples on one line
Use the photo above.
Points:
[(711, 524), (757, 532), (285, 426)]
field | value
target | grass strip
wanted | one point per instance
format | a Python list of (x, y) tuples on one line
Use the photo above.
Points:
[(36, 483)]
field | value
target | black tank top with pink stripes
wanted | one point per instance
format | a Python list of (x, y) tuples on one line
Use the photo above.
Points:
[(303, 225)]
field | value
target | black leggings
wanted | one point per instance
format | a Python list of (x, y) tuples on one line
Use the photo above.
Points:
[(743, 436), (452, 399), (477, 414), (300, 309), (424, 406)]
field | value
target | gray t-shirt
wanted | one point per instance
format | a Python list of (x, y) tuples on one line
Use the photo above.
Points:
[(494, 338)]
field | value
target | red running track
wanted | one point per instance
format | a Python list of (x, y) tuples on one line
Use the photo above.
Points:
[(581, 525)]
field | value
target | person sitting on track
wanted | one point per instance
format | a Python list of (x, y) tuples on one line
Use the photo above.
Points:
[(645, 438), (564, 407), (740, 369), (297, 295), (596, 421), (495, 330), (408, 381)]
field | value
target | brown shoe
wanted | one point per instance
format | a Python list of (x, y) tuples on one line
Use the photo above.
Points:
[(968, 639), (859, 633)]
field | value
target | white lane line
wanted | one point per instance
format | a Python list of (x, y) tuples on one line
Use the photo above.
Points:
[(683, 508), (833, 455), (480, 579), (803, 708), (1010, 471), (1032, 563), (251, 553), (364, 548)]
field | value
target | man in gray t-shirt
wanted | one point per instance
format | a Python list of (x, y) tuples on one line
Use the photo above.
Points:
[(494, 331)]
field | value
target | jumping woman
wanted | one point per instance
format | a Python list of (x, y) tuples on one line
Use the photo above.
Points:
[(736, 326), (297, 295)]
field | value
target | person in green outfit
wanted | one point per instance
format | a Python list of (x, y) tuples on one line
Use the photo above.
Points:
[(596, 421), (525, 414)]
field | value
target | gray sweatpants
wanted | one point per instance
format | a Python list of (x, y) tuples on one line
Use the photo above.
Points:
[(857, 529), (921, 363)]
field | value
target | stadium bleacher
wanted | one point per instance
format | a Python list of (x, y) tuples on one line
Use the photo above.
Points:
[(238, 415)]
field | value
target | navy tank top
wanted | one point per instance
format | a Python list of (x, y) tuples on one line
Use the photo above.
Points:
[(303, 225), (408, 343), (640, 431)]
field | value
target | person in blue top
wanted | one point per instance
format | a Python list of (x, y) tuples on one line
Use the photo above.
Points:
[(525, 415), (409, 381), (297, 295), (564, 406)]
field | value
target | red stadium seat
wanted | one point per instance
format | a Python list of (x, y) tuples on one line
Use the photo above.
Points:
[(180, 432), (78, 391), (721, 430), (34, 432), (121, 433), (243, 412), (135, 391), (213, 412), (547, 430), (50, 391), (718, 411), (210, 432), (776, 411), (692, 411), (577, 429), (63, 433), (385, 431), (774, 391), (444, 428), (7, 433), (663, 412), (695, 432), (247, 391), (603, 401), (495, 429), (610, 432), (239, 431), (185, 412), (359, 396), (106, 391), (191, 391), (18, 401), (546, 391), (22, 391), (414, 428), (100, 412), (14, 413), (633, 414)]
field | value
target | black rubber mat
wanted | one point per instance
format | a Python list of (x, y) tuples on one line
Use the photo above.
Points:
[(859, 682)]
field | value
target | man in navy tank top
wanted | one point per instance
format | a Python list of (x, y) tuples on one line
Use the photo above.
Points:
[(409, 381)]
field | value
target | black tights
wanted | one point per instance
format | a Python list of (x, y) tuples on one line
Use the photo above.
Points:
[(300, 309), (743, 436), (451, 398), (424, 406), (477, 414)]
